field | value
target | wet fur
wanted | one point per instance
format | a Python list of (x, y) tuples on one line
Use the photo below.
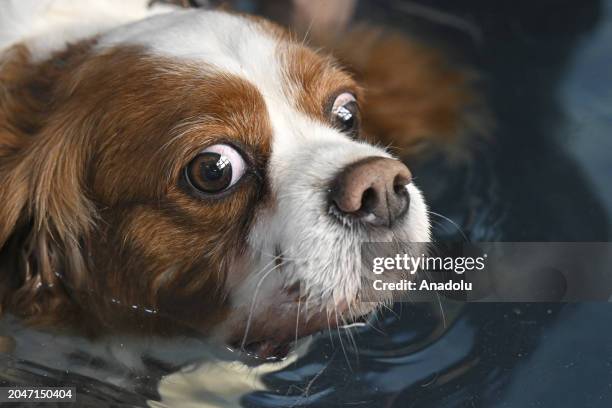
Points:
[(57, 216)]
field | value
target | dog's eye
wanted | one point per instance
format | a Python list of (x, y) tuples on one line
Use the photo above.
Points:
[(215, 169), (345, 113)]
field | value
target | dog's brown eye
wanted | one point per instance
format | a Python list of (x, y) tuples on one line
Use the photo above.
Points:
[(345, 113), (215, 169)]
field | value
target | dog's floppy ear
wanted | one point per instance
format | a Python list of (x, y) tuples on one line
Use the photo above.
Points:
[(13, 192), (44, 212)]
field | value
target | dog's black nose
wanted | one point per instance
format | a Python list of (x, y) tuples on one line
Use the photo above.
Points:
[(373, 189)]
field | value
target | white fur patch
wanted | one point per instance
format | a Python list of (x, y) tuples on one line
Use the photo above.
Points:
[(46, 26)]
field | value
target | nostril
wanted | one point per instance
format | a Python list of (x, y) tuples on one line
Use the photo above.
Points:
[(399, 184), (399, 188), (369, 200)]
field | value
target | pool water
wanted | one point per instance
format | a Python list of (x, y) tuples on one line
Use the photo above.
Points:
[(546, 69)]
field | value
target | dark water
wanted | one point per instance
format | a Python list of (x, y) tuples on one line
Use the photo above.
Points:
[(547, 68), (547, 176)]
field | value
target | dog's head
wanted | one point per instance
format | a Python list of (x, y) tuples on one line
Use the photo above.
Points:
[(196, 170)]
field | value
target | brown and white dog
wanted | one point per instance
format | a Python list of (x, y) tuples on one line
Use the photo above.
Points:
[(170, 171)]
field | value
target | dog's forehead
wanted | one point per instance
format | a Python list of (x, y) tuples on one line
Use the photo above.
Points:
[(293, 80), (225, 42)]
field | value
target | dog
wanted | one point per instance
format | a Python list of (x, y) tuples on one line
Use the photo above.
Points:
[(204, 172)]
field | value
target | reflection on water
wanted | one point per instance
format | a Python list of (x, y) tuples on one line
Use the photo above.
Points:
[(546, 177)]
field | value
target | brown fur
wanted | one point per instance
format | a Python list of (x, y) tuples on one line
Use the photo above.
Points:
[(317, 80), (94, 205)]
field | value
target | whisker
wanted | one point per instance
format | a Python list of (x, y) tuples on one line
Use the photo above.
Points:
[(350, 336), (348, 363), (391, 310), (252, 309), (376, 329), (312, 381), (329, 329), (297, 319), (441, 310), (310, 25), (453, 223)]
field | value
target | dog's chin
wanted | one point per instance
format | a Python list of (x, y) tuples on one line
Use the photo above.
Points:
[(273, 335)]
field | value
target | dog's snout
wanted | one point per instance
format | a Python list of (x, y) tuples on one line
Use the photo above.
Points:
[(373, 189)]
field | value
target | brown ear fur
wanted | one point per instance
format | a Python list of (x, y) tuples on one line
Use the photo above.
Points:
[(44, 215), (415, 100)]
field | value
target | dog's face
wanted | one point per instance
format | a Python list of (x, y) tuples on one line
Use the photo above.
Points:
[(195, 170)]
